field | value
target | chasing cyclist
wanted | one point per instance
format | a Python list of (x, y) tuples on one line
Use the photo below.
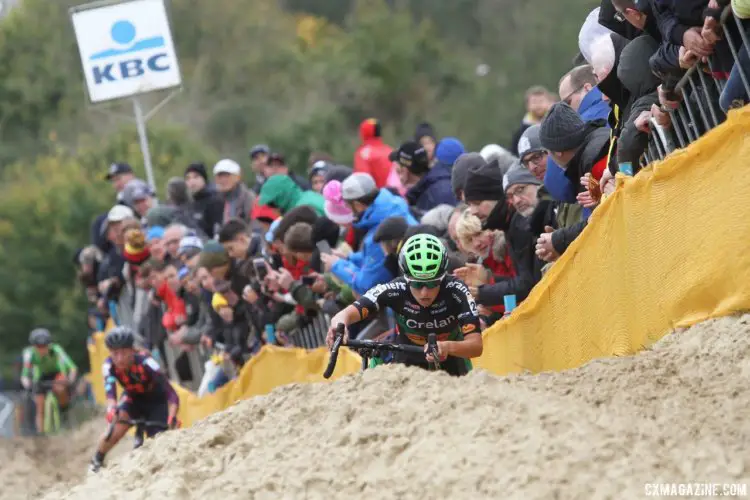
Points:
[(425, 300), (46, 367), (147, 394)]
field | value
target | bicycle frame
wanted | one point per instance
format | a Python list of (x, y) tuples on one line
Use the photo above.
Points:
[(370, 348)]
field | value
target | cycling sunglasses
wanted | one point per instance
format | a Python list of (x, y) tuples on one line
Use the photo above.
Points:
[(418, 285)]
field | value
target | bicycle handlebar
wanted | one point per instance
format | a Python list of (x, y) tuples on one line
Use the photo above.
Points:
[(377, 346)]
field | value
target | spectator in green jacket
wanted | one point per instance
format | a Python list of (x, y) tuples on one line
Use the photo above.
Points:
[(282, 193)]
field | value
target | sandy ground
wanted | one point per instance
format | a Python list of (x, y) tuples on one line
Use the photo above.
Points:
[(677, 413), (29, 466)]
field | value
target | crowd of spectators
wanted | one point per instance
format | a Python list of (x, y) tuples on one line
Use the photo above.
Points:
[(254, 252)]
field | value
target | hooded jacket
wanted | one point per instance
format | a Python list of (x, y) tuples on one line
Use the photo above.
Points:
[(208, 210), (371, 156), (591, 156), (433, 189), (593, 107), (364, 269), (635, 74), (283, 193)]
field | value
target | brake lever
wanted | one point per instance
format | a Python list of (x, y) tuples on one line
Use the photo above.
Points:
[(433, 348)]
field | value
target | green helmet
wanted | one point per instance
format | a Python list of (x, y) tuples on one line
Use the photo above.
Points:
[(423, 258)]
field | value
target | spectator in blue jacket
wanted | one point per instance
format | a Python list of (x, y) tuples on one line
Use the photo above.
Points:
[(432, 184), (366, 268), (578, 89)]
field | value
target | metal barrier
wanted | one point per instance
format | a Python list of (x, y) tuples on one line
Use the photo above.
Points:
[(313, 334), (699, 111), (7, 411)]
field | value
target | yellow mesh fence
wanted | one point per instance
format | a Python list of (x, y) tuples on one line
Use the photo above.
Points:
[(670, 248)]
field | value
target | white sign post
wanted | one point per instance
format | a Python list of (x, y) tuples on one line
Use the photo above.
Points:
[(126, 50)]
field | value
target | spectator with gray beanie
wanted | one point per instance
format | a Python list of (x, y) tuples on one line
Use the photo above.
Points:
[(578, 147)]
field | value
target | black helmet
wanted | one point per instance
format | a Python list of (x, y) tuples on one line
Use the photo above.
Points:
[(40, 336), (120, 337)]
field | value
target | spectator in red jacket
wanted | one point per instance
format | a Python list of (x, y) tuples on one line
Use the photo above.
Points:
[(371, 156)]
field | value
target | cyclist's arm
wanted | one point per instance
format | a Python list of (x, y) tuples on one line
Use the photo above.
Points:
[(64, 363), (469, 347), (468, 321), (29, 371), (110, 383)]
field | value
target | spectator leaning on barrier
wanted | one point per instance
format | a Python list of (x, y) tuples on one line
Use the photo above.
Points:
[(579, 148), (207, 209), (372, 155), (578, 89), (371, 206), (238, 200), (282, 193), (432, 185), (531, 153)]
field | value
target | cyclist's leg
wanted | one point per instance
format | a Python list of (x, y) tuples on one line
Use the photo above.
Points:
[(39, 404), (157, 411)]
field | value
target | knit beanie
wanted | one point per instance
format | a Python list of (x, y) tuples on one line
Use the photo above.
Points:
[(529, 142), (448, 150), (177, 191), (424, 130), (190, 243), (413, 157), (136, 252), (337, 173), (484, 183), (335, 208), (519, 176), (198, 168), (562, 129), (461, 169), (213, 255), (392, 228), (160, 215)]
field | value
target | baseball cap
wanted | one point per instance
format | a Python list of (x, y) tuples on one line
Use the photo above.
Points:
[(530, 142), (258, 149), (118, 213), (413, 156), (227, 166), (117, 169), (276, 158), (357, 186), (135, 190)]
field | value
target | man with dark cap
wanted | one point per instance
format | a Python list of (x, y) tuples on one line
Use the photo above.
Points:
[(119, 174), (276, 165), (460, 171), (578, 147), (207, 208), (139, 196), (433, 185)]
